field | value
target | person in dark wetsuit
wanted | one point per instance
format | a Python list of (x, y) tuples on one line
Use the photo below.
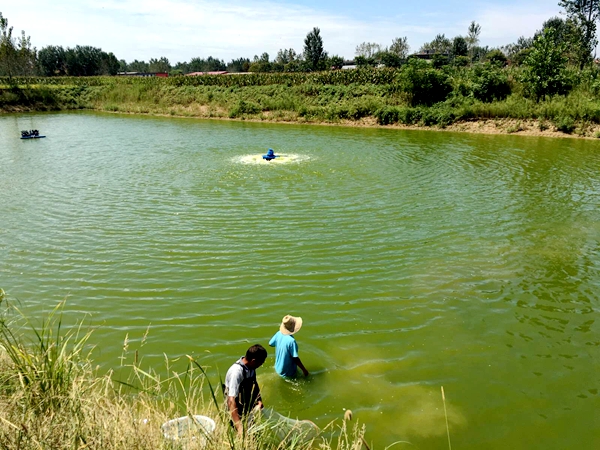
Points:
[(241, 388)]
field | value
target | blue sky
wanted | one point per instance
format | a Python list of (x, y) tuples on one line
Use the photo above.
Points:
[(183, 29)]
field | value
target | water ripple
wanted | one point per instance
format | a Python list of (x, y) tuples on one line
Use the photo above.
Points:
[(416, 259)]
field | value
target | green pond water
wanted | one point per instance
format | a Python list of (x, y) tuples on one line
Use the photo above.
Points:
[(416, 259)]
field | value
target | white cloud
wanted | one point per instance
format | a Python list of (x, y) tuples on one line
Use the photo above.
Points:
[(182, 29), (500, 26)]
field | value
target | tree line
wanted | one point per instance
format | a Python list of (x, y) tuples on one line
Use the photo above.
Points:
[(562, 42)]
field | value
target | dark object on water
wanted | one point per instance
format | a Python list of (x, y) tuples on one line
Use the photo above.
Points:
[(270, 155), (31, 134)]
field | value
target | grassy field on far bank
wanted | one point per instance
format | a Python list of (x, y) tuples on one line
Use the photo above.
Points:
[(412, 96)]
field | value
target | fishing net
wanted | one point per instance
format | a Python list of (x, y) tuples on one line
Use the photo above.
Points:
[(286, 428)]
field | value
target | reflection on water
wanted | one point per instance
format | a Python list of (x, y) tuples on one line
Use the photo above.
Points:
[(416, 259)]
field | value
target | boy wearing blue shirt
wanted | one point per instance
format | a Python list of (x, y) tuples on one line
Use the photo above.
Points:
[(287, 360)]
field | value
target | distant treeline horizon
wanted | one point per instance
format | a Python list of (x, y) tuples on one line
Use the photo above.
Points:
[(576, 33)]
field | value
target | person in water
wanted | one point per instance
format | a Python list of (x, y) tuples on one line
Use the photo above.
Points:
[(242, 392), (287, 360), (270, 155)]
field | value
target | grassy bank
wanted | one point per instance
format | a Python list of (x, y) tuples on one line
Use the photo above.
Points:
[(384, 97), (52, 396)]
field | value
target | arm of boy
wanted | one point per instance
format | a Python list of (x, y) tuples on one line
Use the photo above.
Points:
[(299, 364), (235, 416)]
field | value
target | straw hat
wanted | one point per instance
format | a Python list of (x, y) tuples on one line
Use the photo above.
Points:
[(290, 325)]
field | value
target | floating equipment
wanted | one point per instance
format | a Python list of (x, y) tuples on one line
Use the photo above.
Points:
[(31, 134), (270, 155)]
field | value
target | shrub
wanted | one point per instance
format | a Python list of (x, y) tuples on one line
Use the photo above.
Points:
[(489, 84), (546, 74), (516, 127), (566, 124), (438, 61), (462, 61), (387, 115), (441, 115), (497, 58), (424, 85), (595, 88), (244, 107)]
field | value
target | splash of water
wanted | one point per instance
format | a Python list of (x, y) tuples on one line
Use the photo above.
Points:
[(281, 159)]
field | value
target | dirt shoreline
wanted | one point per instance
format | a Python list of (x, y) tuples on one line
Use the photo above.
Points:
[(481, 126), (514, 127)]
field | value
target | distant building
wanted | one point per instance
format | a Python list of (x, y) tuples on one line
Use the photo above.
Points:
[(217, 72), (346, 65), (428, 54), (143, 74)]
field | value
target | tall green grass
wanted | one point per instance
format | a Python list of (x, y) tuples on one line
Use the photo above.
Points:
[(52, 396)]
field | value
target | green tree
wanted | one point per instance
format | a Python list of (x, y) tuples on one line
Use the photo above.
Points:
[(52, 61), (159, 65), (473, 37), (16, 55), (573, 35), (367, 49), (459, 46), (209, 64), (400, 47), (545, 73), (335, 62), (478, 53), (423, 84), (489, 82), (361, 61), (109, 64), (261, 64), (390, 59), (518, 51), (138, 66), (8, 49), (238, 65), (84, 60), (286, 56), (497, 58), (585, 14), (440, 60), (440, 44), (315, 56)]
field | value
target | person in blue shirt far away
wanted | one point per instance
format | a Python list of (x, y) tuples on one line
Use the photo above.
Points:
[(287, 360)]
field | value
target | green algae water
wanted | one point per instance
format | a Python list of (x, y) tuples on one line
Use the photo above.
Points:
[(416, 259)]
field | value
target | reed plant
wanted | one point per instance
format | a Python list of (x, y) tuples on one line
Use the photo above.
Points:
[(53, 397)]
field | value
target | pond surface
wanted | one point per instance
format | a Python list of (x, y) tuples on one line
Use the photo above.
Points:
[(416, 259)]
